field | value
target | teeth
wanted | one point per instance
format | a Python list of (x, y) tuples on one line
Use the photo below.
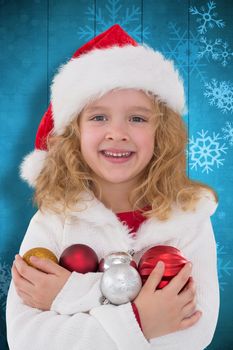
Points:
[(118, 155)]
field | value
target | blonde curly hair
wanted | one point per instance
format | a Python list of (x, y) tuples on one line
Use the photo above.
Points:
[(164, 181)]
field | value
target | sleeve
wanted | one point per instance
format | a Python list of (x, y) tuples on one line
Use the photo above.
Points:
[(111, 327), (80, 293), (200, 249)]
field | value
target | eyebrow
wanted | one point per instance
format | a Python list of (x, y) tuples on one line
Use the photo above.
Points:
[(138, 108)]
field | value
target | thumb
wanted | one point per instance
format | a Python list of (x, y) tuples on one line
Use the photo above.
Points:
[(155, 276), (44, 265)]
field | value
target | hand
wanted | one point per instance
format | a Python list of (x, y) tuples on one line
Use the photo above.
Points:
[(169, 309), (37, 288)]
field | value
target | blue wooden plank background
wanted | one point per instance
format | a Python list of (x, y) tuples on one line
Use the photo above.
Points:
[(37, 36)]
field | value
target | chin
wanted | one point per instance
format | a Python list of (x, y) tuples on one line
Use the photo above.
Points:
[(118, 180)]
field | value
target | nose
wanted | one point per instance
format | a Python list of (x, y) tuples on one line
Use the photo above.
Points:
[(117, 132)]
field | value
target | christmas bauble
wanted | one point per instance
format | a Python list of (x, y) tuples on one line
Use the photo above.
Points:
[(172, 258), (120, 283), (80, 258), (39, 252), (115, 259)]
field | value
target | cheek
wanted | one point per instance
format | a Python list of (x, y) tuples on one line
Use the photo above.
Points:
[(88, 138), (146, 143), (89, 142)]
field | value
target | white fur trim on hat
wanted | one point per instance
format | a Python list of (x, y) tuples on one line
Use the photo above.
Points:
[(32, 165), (95, 73)]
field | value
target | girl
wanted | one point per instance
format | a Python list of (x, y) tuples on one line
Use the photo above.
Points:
[(109, 172)]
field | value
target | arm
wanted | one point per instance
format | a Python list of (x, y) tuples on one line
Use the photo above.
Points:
[(45, 230), (81, 293), (109, 326), (49, 286), (200, 249)]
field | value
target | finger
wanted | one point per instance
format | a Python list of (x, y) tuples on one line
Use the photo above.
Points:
[(190, 321), (45, 265), (24, 296), (26, 299), (29, 273), (155, 277), (18, 280), (189, 309), (179, 281), (188, 294), (187, 286)]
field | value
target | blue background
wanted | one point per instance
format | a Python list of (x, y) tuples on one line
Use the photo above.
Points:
[(37, 36)]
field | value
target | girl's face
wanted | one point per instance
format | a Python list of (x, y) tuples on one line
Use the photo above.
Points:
[(117, 136)]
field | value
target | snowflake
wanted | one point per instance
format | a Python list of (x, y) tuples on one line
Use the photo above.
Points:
[(206, 152), (209, 48), (224, 267), (228, 132), (220, 94), (114, 15), (183, 48), (5, 277), (217, 50), (206, 18), (225, 54)]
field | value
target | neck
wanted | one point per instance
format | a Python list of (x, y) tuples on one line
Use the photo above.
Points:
[(116, 197)]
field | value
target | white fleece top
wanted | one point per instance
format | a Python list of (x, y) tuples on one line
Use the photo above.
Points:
[(77, 320)]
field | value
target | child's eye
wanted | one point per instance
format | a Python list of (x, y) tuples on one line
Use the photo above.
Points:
[(138, 119), (99, 118)]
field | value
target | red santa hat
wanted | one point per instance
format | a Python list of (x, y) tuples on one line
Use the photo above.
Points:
[(110, 60)]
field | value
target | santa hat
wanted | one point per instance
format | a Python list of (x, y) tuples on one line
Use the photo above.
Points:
[(110, 60)]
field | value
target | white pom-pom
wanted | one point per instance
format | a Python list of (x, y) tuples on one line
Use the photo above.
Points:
[(32, 165)]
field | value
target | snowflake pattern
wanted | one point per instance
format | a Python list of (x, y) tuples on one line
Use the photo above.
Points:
[(5, 277), (220, 94), (217, 50), (183, 49), (209, 48), (224, 266), (206, 151), (228, 132), (225, 54), (114, 15), (207, 19)]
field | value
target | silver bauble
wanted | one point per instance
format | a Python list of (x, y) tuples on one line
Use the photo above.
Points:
[(120, 284), (114, 259)]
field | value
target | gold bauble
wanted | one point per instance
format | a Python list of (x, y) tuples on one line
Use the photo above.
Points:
[(39, 252)]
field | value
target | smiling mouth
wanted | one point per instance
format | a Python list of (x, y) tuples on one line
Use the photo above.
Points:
[(117, 154)]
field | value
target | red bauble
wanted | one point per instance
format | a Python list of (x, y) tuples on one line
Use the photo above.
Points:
[(171, 256), (79, 258)]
